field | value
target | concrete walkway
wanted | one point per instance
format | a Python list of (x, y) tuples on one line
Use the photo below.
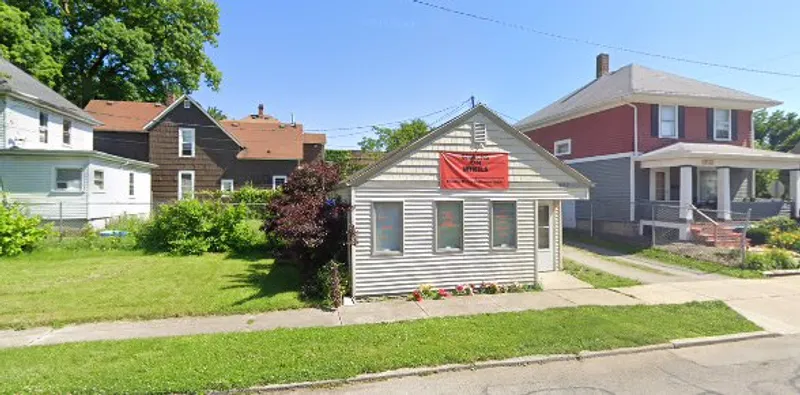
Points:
[(773, 304), (633, 266)]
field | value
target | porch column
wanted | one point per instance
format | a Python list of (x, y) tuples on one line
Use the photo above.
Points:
[(794, 192), (724, 193), (686, 193)]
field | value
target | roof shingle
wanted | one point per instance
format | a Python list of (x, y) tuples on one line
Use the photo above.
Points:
[(123, 116)]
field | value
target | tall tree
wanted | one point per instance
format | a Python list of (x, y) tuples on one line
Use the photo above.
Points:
[(777, 131), (388, 139), (216, 113), (27, 45), (124, 49)]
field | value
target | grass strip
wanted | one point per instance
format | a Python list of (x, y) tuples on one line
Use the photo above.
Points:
[(240, 360), (597, 278)]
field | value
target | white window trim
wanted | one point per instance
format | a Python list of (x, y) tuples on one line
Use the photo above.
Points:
[(653, 188), (94, 186), (568, 142), (67, 132), (549, 226), (180, 142), (187, 104), (131, 183), (436, 248), (222, 184), (180, 184), (730, 124), (55, 180), (374, 221), (491, 225), (677, 122), (274, 178)]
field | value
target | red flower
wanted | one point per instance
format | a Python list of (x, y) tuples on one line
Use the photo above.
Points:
[(460, 288), (443, 293)]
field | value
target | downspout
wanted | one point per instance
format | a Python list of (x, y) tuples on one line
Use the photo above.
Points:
[(633, 161), (752, 145)]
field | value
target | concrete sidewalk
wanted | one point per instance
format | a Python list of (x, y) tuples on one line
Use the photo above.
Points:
[(773, 304)]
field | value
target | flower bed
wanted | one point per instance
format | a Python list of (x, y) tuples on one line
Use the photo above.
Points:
[(429, 292)]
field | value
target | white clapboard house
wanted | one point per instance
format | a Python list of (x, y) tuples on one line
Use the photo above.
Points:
[(474, 200), (47, 161)]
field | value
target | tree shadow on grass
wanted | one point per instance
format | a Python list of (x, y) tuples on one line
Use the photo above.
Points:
[(266, 279)]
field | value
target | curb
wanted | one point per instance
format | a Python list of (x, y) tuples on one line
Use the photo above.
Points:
[(520, 361), (781, 273)]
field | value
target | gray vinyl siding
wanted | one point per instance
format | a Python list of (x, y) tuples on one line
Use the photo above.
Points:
[(414, 180), (610, 195)]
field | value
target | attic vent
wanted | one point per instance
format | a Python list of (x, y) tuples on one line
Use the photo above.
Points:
[(478, 133), (235, 124)]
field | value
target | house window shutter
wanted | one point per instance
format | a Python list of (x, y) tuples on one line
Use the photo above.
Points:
[(734, 125), (654, 120), (710, 123), (681, 122)]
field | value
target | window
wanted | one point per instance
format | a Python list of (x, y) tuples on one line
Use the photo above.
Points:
[(131, 185), (99, 181), (185, 184), (449, 226), (668, 121), (43, 119), (387, 225), (479, 133), (226, 185), (69, 180), (504, 225), (278, 181), (562, 147), (187, 142), (543, 231), (722, 125), (661, 185), (67, 136), (187, 104)]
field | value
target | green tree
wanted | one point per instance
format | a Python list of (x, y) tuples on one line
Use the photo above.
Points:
[(388, 139), (118, 49), (777, 131), (216, 113), (28, 46)]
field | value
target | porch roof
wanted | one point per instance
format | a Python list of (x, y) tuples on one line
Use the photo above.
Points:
[(718, 155)]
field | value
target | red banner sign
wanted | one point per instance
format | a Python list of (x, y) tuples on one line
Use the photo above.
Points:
[(467, 170)]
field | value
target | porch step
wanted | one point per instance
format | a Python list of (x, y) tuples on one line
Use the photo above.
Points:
[(722, 237)]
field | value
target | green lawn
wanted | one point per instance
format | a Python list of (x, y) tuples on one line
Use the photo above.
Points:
[(56, 287), (597, 278), (664, 257), (240, 360)]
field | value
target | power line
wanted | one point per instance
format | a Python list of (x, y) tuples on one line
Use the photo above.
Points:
[(599, 44)]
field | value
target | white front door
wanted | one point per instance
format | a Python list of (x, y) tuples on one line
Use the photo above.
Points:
[(545, 236)]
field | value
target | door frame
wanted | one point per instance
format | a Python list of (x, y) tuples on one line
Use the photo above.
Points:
[(551, 250)]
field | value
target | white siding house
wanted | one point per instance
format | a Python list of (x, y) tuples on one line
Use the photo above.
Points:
[(47, 161), (487, 234)]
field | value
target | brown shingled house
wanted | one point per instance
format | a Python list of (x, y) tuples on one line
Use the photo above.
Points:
[(194, 152)]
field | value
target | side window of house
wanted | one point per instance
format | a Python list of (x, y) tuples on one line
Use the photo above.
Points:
[(67, 133), (69, 180), (449, 226), (504, 225), (131, 185), (185, 184), (387, 222), (187, 145), (543, 230), (668, 121), (278, 181), (43, 119), (562, 147), (98, 180), (226, 185), (722, 124)]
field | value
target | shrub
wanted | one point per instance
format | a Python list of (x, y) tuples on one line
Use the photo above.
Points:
[(758, 236), (772, 259), (18, 232), (778, 223), (333, 283), (785, 240), (127, 223)]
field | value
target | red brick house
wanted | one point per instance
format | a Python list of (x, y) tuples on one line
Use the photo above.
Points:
[(195, 152), (645, 136)]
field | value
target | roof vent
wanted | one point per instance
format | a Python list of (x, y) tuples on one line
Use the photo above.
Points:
[(109, 103), (235, 124)]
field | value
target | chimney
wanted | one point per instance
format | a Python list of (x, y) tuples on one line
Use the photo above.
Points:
[(261, 111), (170, 98), (602, 64)]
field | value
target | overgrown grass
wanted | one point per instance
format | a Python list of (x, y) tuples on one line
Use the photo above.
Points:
[(240, 360), (597, 278), (57, 286), (664, 257)]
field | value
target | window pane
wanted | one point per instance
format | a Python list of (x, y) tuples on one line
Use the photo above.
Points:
[(42, 119), (722, 115), (131, 184), (504, 224), (668, 128), (187, 187), (449, 225), (388, 227), (544, 227), (187, 142), (667, 113), (278, 181), (67, 131), (68, 179), (660, 190), (99, 182)]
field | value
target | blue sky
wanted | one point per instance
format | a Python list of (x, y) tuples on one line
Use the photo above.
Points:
[(343, 63)]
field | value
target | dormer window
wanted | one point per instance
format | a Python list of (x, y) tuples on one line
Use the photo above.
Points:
[(668, 122), (43, 119), (722, 125), (479, 133)]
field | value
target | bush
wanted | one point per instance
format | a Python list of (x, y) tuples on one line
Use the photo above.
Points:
[(18, 232), (778, 223), (785, 240), (772, 259), (127, 223), (194, 227), (758, 236), (332, 283)]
